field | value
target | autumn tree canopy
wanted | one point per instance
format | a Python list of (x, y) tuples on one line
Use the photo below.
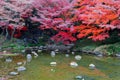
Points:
[(71, 19)]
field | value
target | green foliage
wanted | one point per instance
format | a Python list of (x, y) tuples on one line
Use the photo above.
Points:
[(113, 49), (86, 44)]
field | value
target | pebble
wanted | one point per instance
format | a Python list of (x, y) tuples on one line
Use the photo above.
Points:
[(73, 53), (23, 51), (52, 53), (78, 57), (35, 54), (4, 52), (91, 66), (29, 57), (19, 63), (100, 55), (13, 73), (21, 68), (67, 55), (78, 77), (73, 64), (53, 63), (8, 60), (39, 51), (118, 55)]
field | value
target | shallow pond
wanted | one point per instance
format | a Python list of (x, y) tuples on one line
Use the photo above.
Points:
[(39, 68)]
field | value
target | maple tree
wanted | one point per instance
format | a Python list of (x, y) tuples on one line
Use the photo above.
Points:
[(56, 15), (99, 17), (10, 16)]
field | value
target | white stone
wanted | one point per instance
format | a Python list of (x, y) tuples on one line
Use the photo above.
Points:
[(13, 73), (73, 53), (39, 51), (23, 51), (19, 63), (29, 57), (56, 50), (35, 54), (4, 52), (73, 64), (67, 55), (53, 63), (91, 66), (8, 59), (83, 79), (52, 53), (21, 68), (78, 57), (79, 77)]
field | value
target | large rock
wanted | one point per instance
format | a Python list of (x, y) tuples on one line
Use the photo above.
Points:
[(59, 47)]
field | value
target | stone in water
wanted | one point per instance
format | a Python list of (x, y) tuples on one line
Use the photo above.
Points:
[(23, 51), (73, 64), (19, 63), (118, 55), (29, 57), (39, 51), (21, 68), (53, 63), (57, 51), (35, 54), (8, 60), (91, 66), (67, 55), (78, 57), (13, 73), (4, 52), (73, 53), (52, 53), (78, 77)]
